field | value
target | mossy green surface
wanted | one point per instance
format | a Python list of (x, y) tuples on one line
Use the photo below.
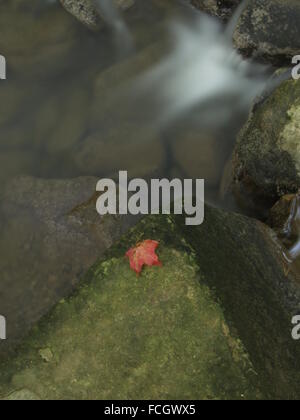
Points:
[(157, 336), (213, 323), (266, 157)]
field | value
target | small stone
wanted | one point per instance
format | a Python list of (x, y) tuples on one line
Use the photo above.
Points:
[(46, 355)]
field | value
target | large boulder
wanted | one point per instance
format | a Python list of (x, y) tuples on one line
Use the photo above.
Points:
[(50, 235), (214, 322), (269, 29), (266, 159)]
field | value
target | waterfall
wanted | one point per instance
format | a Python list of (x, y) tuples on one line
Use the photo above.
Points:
[(202, 69)]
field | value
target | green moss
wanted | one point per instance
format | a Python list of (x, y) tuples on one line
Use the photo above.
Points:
[(266, 157), (269, 119), (160, 335), (212, 323)]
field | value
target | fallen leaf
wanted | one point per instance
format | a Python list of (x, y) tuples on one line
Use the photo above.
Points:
[(143, 254)]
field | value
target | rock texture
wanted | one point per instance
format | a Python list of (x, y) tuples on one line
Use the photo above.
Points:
[(269, 29), (220, 8), (50, 235), (280, 212), (266, 159), (88, 13), (213, 323)]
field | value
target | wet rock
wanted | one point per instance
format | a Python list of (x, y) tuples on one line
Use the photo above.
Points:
[(13, 161), (121, 134), (22, 395), (12, 100), (285, 220), (269, 30), (222, 9), (63, 120), (125, 147), (46, 355), (33, 47), (188, 154), (213, 323), (197, 154), (50, 235), (266, 159), (280, 212), (87, 12)]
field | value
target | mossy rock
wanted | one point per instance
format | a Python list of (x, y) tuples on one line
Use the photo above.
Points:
[(212, 323), (158, 336), (266, 159), (51, 234)]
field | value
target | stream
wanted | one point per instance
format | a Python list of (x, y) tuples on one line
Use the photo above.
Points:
[(157, 103)]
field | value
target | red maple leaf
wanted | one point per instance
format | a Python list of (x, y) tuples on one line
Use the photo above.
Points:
[(143, 254)]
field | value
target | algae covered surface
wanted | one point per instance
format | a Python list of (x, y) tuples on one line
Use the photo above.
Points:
[(266, 156), (161, 335)]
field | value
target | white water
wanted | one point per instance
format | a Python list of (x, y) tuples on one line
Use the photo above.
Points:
[(203, 67)]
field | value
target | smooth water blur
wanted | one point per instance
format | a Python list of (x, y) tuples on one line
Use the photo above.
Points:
[(133, 97), (63, 92), (203, 70)]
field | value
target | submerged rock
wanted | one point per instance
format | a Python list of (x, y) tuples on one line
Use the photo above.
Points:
[(196, 155), (50, 235), (266, 159), (87, 12), (269, 29), (223, 9), (34, 50), (213, 323), (121, 134)]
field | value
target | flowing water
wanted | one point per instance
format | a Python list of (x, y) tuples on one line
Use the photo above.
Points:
[(69, 91), (160, 94)]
